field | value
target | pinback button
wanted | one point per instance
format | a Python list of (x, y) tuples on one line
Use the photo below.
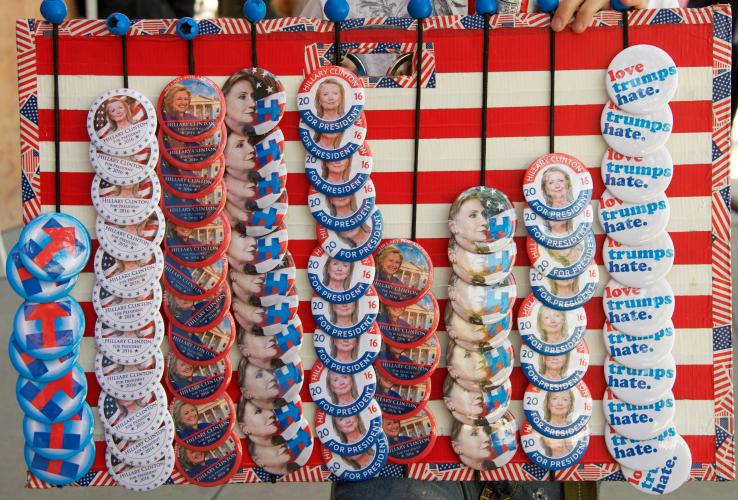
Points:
[(272, 317), (191, 183), (638, 311), (284, 457), (251, 255), (40, 370), (203, 426), (192, 154), (343, 213), (30, 287), (49, 330), (330, 99), (410, 439), (268, 349), (404, 272), (555, 373), (641, 79), (336, 281), (197, 384), (559, 414), (62, 440), (121, 122), (125, 170), (558, 234), (354, 244), (269, 101), (258, 221), (666, 477), (195, 212), (334, 146), (636, 135), (128, 278), (348, 355), (198, 316), (480, 370), (248, 156), (126, 314), (639, 422), (482, 347), (641, 386), (146, 451), (133, 241), (636, 179), (565, 294), (198, 246), (261, 189), (270, 385), (409, 326), (339, 394), (639, 265), (562, 263), (486, 447), (132, 419), (464, 332), (557, 186), (482, 220), (645, 454), (409, 366), (129, 348), (642, 351), (401, 401), (482, 269), (60, 472), (347, 320), (126, 204), (482, 305), (129, 381), (54, 401), (349, 436), (476, 407), (551, 453), (276, 282), (140, 477), (342, 177), (360, 467), (550, 331), (634, 223), (54, 247), (203, 348), (262, 426), (193, 282), (191, 108)]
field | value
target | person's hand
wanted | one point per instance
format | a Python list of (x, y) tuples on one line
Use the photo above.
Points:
[(585, 11)]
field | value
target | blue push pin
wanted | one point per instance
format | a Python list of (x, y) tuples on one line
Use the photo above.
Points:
[(485, 7), (548, 5), (187, 28), (336, 10), (118, 24), (419, 9), (254, 10), (618, 5), (54, 11)]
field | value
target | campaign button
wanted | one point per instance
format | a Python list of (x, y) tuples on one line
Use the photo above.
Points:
[(54, 401), (274, 315), (482, 269), (565, 294), (562, 263), (476, 407), (273, 347), (126, 204), (348, 355), (641, 386), (121, 122), (666, 477), (401, 401), (128, 278), (409, 366), (636, 179), (470, 334), (133, 241), (54, 247), (360, 467), (270, 388), (252, 255), (262, 426), (60, 471), (146, 451), (50, 330), (192, 154), (634, 223), (482, 305), (549, 331), (255, 101), (411, 325), (480, 370), (62, 440), (340, 394), (482, 220), (131, 347), (287, 455), (337, 281), (636, 135), (278, 281), (551, 453), (261, 189), (559, 414), (558, 233), (40, 370), (334, 146), (195, 212), (132, 419), (404, 272), (350, 436), (198, 315), (638, 422), (193, 282), (129, 381), (644, 454), (342, 177), (126, 314), (198, 246), (185, 183), (555, 373), (639, 265), (197, 384), (557, 186), (331, 99), (258, 221), (191, 108), (140, 477), (638, 311), (29, 287), (641, 79), (343, 213), (347, 320), (202, 426), (125, 170), (410, 439), (246, 156), (353, 244), (203, 348), (642, 351), (486, 447)]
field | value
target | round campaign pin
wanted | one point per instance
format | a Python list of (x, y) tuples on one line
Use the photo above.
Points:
[(636, 179), (565, 294), (49, 330), (557, 186), (40, 370), (54, 247), (482, 220), (409, 366), (185, 183), (349, 436), (62, 440), (342, 177), (30, 287), (257, 221), (410, 439), (343, 213), (558, 233), (346, 320), (555, 373), (480, 370), (401, 401), (198, 246), (128, 278), (133, 419), (337, 281), (276, 282), (267, 350), (203, 426), (263, 188), (198, 316), (197, 384), (360, 467), (269, 427), (203, 348), (639, 265), (482, 305), (125, 205), (353, 244), (331, 99), (255, 100), (482, 269), (140, 477), (641, 386), (132, 347), (348, 355), (126, 314), (476, 407), (134, 241), (251, 255), (665, 478), (636, 135), (269, 318), (642, 351), (643, 454), (191, 108), (641, 79), (562, 263), (194, 213), (634, 223), (261, 385), (54, 401), (639, 422), (60, 472), (247, 156), (550, 331), (125, 170), (552, 453), (409, 326), (287, 454), (121, 122), (192, 155), (485, 447), (129, 381), (468, 334), (194, 283), (638, 311), (559, 414), (404, 272), (146, 451), (334, 146), (340, 394)]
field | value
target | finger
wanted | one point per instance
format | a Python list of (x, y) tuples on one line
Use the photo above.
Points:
[(636, 4), (564, 13), (586, 12)]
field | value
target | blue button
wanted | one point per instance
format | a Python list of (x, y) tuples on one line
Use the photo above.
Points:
[(40, 370), (29, 286), (63, 440), (60, 472), (54, 401), (51, 330)]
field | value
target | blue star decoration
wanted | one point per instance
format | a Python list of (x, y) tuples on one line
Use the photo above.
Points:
[(536, 471), (666, 16), (721, 87), (207, 27), (392, 470), (475, 22), (29, 110), (725, 195), (721, 338), (87, 478), (26, 190), (722, 27)]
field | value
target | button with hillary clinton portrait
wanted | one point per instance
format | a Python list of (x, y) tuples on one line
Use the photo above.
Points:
[(348, 355), (192, 154), (202, 426), (203, 348), (485, 447), (638, 311), (198, 315), (60, 472), (479, 406), (642, 454), (258, 221), (262, 188), (267, 349), (340, 394), (480, 370), (409, 326), (274, 315), (121, 122), (185, 183), (270, 387), (550, 331), (133, 419), (638, 421), (275, 282), (334, 146), (636, 135), (636, 179), (410, 365), (146, 451), (404, 272), (642, 351), (209, 468), (40, 370), (467, 334), (126, 204), (482, 220), (197, 384), (347, 320), (359, 467), (129, 381), (565, 294), (128, 278), (132, 347), (401, 401), (255, 101), (126, 314), (194, 212), (666, 478), (249, 157), (132, 241), (194, 282), (198, 246), (331, 99), (191, 108), (562, 263), (336, 281), (30, 287), (140, 477), (343, 213), (558, 233), (287, 454), (482, 305), (342, 177), (54, 401), (634, 223), (641, 386), (62, 440), (412, 438), (557, 186), (49, 330), (639, 265), (555, 373), (559, 414), (482, 269), (349, 436), (270, 426), (353, 244), (552, 453), (125, 170)]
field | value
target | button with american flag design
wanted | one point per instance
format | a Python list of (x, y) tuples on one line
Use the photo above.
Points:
[(140, 477), (129, 381), (133, 418), (145, 451), (132, 347), (128, 278), (126, 204), (132, 241), (125, 170), (126, 314), (121, 122)]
